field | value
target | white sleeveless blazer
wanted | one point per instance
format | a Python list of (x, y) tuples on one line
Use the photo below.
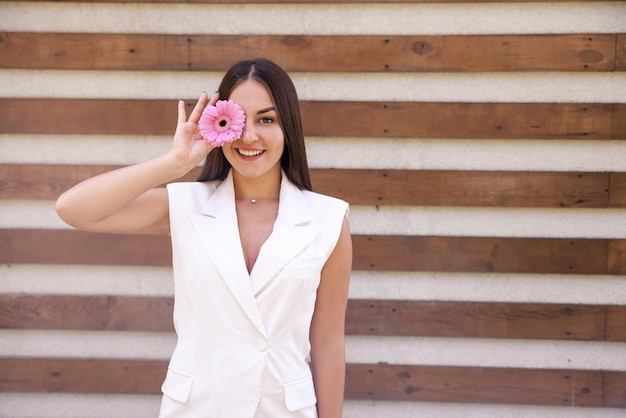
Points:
[(243, 339)]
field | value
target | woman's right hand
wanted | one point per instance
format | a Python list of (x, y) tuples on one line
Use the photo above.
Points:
[(188, 146)]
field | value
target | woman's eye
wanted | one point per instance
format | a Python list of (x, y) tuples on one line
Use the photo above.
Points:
[(266, 119)]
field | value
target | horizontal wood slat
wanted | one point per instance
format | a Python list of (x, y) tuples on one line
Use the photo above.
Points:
[(371, 252), (381, 187), (617, 190), (81, 376), (614, 389), (365, 317), (30, 246), (620, 52), (480, 320), (334, 119), (474, 385), (84, 51), (363, 381), (480, 254), (616, 323), (619, 121), (311, 1), (99, 313), (467, 188)]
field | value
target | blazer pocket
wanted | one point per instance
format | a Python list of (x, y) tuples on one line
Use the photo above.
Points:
[(303, 268), (177, 385), (300, 394)]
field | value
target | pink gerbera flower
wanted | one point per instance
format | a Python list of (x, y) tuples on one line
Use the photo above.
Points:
[(222, 123)]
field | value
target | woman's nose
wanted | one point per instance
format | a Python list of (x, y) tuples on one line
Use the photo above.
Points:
[(249, 134)]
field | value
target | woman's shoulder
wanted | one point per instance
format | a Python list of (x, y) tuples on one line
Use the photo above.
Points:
[(190, 194), (325, 203), (193, 186)]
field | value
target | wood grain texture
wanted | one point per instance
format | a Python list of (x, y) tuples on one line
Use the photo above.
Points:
[(312, 1), (620, 52), (381, 187), (363, 381), (479, 319), (329, 119), (310, 53), (614, 389), (480, 254), (371, 252), (96, 313), (617, 190), (618, 124), (81, 376), (616, 323), (31, 246), (474, 385), (364, 317)]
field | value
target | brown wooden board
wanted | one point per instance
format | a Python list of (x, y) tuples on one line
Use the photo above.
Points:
[(618, 125), (327, 119), (364, 317), (81, 375), (614, 389), (617, 190), (620, 52), (465, 188), (478, 319), (363, 381), (617, 258), (310, 53), (474, 385), (371, 252), (380, 187), (480, 254), (48, 246), (69, 312), (311, 1), (616, 323), (458, 120)]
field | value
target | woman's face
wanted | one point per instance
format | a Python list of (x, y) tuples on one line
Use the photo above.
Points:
[(259, 150)]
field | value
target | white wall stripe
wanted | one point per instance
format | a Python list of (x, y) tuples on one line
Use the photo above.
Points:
[(491, 222), (63, 405), (350, 153), (489, 287), (70, 405), (379, 409), (408, 220), (485, 352), (315, 19), (531, 87), (467, 352), (383, 285)]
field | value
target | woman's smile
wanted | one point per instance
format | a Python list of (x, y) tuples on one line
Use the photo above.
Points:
[(249, 153)]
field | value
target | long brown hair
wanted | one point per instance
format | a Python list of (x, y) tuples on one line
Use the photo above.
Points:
[(283, 92)]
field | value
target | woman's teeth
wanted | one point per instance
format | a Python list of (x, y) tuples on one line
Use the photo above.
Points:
[(251, 153)]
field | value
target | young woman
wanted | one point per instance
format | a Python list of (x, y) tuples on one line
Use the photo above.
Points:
[(261, 263)]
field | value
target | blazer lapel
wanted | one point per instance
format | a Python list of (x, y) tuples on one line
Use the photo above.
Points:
[(218, 230), (292, 232)]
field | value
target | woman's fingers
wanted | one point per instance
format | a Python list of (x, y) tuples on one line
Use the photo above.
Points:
[(197, 110), (182, 114), (214, 98)]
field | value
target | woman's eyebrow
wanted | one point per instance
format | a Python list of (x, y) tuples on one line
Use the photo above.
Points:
[(267, 109)]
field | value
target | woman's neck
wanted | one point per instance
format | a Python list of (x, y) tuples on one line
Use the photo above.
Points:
[(257, 189)]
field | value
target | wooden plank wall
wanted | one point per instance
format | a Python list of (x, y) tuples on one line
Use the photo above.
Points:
[(482, 147)]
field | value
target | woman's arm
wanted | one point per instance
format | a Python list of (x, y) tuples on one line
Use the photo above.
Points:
[(328, 328), (128, 200)]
